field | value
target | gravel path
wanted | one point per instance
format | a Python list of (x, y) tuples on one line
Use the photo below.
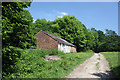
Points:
[(94, 67)]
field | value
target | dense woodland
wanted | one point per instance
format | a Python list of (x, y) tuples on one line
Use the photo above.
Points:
[(18, 32), (72, 30)]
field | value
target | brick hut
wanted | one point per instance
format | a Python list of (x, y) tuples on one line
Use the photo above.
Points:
[(49, 41)]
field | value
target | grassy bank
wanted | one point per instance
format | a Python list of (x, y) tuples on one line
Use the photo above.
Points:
[(33, 65), (113, 59)]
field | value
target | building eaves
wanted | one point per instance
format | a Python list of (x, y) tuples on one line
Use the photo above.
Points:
[(60, 40)]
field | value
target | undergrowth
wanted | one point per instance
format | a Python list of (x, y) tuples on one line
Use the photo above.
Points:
[(32, 64), (113, 59)]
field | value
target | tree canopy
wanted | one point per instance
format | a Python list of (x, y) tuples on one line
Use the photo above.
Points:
[(16, 25), (72, 30), (16, 32)]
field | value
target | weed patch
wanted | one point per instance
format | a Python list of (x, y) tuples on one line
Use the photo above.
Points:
[(32, 64), (113, 60)]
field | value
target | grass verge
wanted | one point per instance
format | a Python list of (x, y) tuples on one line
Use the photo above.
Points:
[(113, 59), (33, 65)]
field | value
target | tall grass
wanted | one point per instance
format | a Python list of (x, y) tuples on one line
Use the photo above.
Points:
[(32, 64), (114, 60)]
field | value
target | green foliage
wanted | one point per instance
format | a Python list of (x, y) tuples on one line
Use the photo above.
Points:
[(99, 42), (72, 30), (32, 64), (112, 43), (64, 28), (16, 25), (10, 56), (101, 35), (110, 32), (47, 26), (16, 33), (92, 40), (108, 42), (40, 25), (113, 59)]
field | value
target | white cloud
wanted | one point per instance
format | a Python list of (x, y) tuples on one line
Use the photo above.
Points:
[(60, 16), (34, 20), (63, 13)]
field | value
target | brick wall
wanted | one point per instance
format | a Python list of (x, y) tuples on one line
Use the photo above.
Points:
[(45, 42), (73, 49)]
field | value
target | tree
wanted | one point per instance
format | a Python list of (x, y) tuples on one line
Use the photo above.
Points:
[(92, 40), (108, 41), (111, 43), (16, 25), (72, 30), (40, 24), (16, 32), (101, 35), (110, 32), (101, 40), (47, 26), (93, 29)]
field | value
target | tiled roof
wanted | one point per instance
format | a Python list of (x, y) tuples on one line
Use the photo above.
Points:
[(60, 40)]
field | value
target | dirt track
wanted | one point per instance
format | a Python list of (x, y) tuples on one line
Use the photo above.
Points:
[(94, 67)]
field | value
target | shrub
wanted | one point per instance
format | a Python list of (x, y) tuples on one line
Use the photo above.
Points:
[(32, 64), (10, 55)]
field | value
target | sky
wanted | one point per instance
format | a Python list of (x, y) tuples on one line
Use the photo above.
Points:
[(99, 15)]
